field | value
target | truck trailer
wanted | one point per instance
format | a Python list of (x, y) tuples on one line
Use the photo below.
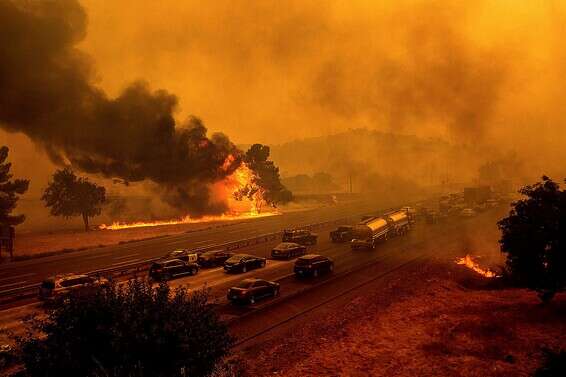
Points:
[(368, 233)]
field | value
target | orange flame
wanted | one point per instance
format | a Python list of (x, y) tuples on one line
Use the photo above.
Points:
[(226, 191), (469, 262)]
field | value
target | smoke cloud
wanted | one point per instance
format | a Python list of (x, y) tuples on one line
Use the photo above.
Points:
[(419, 68), (483, 76), (47, 93)]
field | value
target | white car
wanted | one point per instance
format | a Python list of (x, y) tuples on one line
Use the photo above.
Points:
[(185, 255), (61, 285)]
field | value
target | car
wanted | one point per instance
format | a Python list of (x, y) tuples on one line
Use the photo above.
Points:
[(7, 355), (168, 269), (467, 212), (213, 258), (251, 290), (300, 236), (313, 265), (431, 216), (62, 285), (184, 254), (344, 233), (243, 263), (492, 203), (286, 250), (411, 213)]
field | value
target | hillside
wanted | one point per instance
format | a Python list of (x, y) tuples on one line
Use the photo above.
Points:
[(370, 156)]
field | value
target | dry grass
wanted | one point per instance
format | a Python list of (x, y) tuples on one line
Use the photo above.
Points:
[(422, 324), (48, 243)]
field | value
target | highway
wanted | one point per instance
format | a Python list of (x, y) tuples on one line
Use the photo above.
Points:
[(33, 271), (300, 296)]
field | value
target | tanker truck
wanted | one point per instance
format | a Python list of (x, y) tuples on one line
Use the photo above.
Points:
[(399, 222), (368, 233)]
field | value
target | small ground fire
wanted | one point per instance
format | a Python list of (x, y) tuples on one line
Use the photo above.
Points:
[(471, 264)]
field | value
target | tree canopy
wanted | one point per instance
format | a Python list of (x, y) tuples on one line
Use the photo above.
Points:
[(136, 330), (534, 238), (9, 191), (68, 195), (267, 176)]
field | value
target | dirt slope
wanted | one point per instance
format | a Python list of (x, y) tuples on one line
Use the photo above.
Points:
[(424, 323)]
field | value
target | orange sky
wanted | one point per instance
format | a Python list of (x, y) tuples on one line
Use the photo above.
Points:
[(271, 71)]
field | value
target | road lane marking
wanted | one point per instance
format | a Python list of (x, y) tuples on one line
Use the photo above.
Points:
[(18, 276), (126, 256), (97, 256), (12, 284), (237, 230), (199, 242), (126, 262)]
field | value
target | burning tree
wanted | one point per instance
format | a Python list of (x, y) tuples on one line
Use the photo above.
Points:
[(68, 195), (9, 191), (534, 238), (265, 185)]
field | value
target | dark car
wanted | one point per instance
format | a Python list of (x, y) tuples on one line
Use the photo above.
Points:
[(288, 250), (62, 285), (168, 269), (313, 265), (243, 263), (300, 236), (250, 290), (214, 258), (344, 233)]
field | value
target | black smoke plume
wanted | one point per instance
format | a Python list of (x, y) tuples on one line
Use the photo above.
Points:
[(47, 93)]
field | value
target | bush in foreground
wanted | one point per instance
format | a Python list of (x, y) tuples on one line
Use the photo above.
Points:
[(534, 238), (554, 366), (136, 330)]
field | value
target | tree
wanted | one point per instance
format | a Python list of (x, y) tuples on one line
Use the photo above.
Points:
[(68, 195), (267, 177), (9, 191), (133, 330), (534, 238), (554, 364)]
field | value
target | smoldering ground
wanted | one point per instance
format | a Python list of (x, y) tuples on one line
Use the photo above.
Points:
[(47, 93)]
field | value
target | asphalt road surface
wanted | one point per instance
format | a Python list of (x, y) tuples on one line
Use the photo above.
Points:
[(33, 271), (298, 295)]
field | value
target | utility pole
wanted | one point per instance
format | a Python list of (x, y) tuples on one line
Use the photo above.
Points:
[(350, 179)]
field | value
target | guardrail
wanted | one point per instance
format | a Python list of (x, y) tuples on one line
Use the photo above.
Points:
[(29, 291), (142, 266)]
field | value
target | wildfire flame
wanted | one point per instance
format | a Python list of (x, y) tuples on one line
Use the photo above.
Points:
[(469, 262), (229, 190)]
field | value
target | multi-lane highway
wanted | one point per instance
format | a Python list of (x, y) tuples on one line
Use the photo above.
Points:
[(352, 268), (25, 273)]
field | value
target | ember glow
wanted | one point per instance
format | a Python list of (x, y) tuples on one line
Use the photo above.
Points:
[(469, 262), (229, 191)]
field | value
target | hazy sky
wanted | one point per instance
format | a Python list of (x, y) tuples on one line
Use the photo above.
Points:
[(488, 72)]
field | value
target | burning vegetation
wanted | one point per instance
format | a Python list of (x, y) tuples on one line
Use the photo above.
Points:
[(243, 196), (474, 266), (48, 93)]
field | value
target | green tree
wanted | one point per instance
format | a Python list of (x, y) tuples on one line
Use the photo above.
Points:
[(534, 238), (68, 195), (9, 191), (133, 330), (267, 177)]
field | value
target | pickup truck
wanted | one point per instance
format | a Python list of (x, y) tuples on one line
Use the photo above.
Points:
[(344, 233)]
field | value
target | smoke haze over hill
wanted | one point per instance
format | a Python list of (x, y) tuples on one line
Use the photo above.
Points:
[(484, 75)]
